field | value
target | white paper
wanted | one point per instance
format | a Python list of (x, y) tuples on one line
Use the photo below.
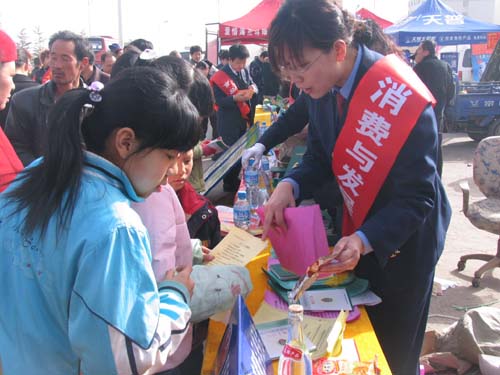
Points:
[(326, 300), (275, 338), (367, 298)]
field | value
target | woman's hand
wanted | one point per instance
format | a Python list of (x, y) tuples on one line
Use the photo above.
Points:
[(347, 253), (281, 198)]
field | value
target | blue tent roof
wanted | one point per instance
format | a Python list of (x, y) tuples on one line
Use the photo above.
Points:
[(435, 20)]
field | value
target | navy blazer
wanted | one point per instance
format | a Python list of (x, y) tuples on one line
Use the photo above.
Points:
[(230, 124), (411, 213)]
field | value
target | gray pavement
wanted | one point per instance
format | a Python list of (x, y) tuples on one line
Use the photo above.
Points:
[(463, 238)]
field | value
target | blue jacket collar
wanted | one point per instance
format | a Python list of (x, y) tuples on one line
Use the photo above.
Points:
[(112, 174)]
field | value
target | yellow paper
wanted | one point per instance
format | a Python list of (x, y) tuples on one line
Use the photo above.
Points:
[(316, 329), (237, 248)]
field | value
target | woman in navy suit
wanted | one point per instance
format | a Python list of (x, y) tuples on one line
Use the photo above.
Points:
[(372, 127)]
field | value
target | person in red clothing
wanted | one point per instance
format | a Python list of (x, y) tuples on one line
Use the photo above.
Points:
[(201, 216), (10, 164)]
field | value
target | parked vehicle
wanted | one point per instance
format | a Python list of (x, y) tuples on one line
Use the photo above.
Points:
[(476, 107), (100, 45)]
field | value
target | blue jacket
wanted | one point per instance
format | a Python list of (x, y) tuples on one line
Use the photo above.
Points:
[(410, 214), (84, 299)]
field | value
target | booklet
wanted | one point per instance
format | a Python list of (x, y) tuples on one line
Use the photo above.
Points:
[(275, 334), (326, 300), (217, 144)]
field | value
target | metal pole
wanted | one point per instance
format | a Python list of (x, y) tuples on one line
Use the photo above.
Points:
[(88, 17), (120, 24)]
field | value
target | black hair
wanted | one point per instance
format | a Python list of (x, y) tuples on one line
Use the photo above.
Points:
[(90, 56), (81, 46), (238, 51), (201, 94), (143, 98), (142, 44), (264, 54), (202, 65), (175, 53), (224, 54), (191, 80), (23, 57), (194, 49), (105, 55), (130, 58), (429, 46), (307, 23), (178, 69), (369, 33)]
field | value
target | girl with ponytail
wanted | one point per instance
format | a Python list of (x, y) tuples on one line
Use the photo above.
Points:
[(80, 295)]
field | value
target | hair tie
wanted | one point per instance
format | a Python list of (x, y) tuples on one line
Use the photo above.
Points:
[(94, 94), (148, 54)]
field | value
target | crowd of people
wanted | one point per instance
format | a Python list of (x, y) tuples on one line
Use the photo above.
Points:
[(101, 214)]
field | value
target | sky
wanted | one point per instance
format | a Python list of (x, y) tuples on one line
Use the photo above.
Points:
[(169, 24)]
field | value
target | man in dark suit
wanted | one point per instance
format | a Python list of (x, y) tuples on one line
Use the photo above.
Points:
[(21, 79), (438, 77), (233, 89)]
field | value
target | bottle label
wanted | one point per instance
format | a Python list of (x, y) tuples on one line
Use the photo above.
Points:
[(292, 353), (241, 214)]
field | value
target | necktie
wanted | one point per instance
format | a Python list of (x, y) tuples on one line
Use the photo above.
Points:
[(240, 77)]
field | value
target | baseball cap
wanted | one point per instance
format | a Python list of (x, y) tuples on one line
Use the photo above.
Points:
[(8, 49), (114, 47)]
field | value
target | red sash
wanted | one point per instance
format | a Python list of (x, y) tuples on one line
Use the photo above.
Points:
[(383, 111), (228, 87)]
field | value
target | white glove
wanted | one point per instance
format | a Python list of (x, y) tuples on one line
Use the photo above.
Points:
[(256, 152)]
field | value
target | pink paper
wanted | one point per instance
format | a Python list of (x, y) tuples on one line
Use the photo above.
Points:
[(304, 241)]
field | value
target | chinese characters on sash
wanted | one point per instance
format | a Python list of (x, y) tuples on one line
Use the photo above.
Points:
[(385, 107), (374, 129)]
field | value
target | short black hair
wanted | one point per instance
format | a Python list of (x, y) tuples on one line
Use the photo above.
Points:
[(238, 51), (224, 54), (201, 65), (81, 45), (264, 54), (194, 49), (429, 46), (91, 56), (142, 44), (105, 55)]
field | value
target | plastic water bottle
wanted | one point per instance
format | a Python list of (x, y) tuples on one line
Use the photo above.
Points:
[(295, 359), (241, 211), (252, 184), (266, 173), (262, 128)]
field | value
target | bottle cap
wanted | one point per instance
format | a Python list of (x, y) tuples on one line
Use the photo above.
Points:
[(242, 194), (296, 308), (250, 162)]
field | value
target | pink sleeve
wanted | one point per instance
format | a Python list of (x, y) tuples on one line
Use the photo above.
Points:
[(164, 219)]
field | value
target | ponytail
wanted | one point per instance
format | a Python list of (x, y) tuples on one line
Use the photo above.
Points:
[(43, 187), (142, 98)]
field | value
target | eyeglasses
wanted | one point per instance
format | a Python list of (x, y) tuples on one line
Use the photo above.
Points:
[(300, 71)]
